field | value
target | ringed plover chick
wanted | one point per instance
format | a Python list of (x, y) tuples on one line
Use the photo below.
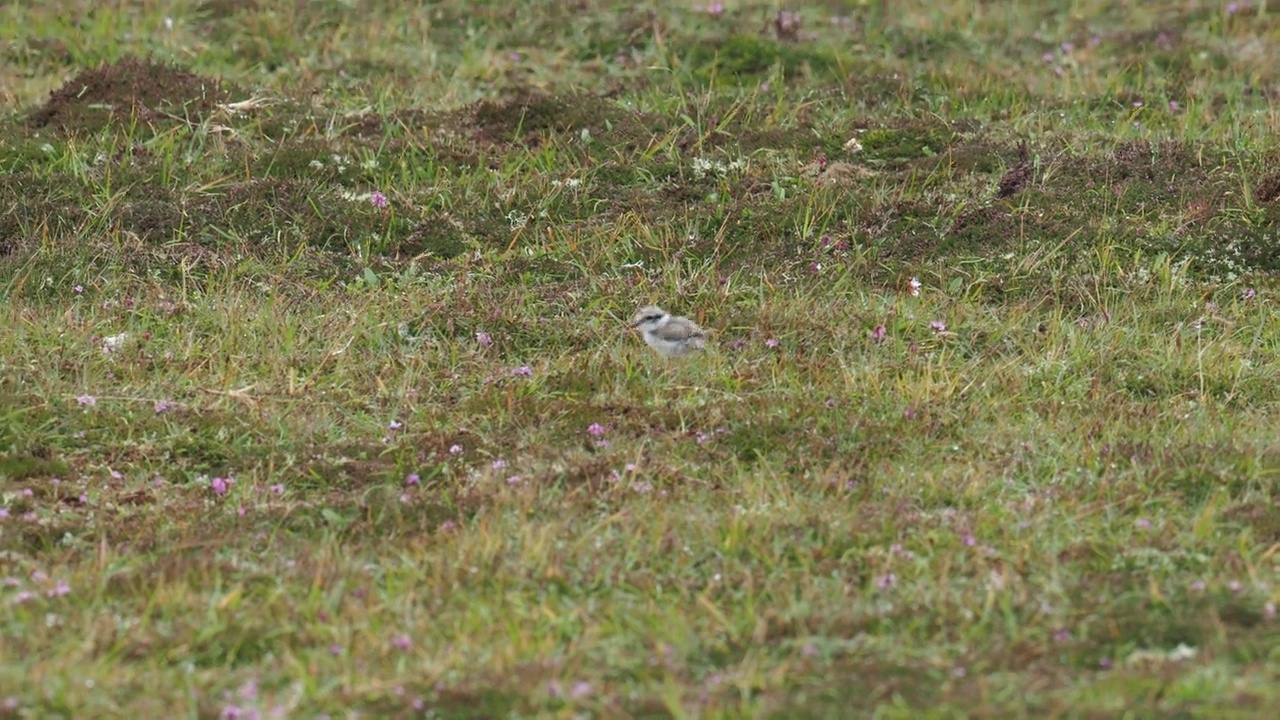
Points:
[(670, 336)]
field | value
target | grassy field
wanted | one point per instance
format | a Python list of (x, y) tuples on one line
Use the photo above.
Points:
[(317, 396)]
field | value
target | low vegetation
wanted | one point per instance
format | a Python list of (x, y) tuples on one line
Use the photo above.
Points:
[(317, 396)]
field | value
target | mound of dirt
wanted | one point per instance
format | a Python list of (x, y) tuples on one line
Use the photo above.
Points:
[(110, 92), (223, 9), (1018, 176), (532, 113), (1269, 189)]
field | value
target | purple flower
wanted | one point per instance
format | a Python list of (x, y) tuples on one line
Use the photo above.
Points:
[(913, 287), (716, 9), (1235, 586), (938, 326), (522, 371), (455, 449), (418, 705), (27, 492), (1173, 106), (878, 334), (595, 430), (278, 488), (335, 650), (59, 589), (1143, 523), (580, 690), (1105, 663), (404, 498), (378, 199), (959, 671), (219, 485), (4, 512), (886, 581), (395, 425), (771, 342), (513, 480), (1197, 586), (402, 642), (87, 400), (161, 406), (116, 475), (499, 464), (79, 289), (484, 339), (84, 499), (1249, 293), (412, 479), (1062, 636)]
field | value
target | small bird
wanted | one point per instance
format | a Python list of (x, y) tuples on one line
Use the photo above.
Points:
[(671, 336)]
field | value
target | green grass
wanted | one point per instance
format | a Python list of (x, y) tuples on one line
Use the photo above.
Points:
[(269, 448)]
